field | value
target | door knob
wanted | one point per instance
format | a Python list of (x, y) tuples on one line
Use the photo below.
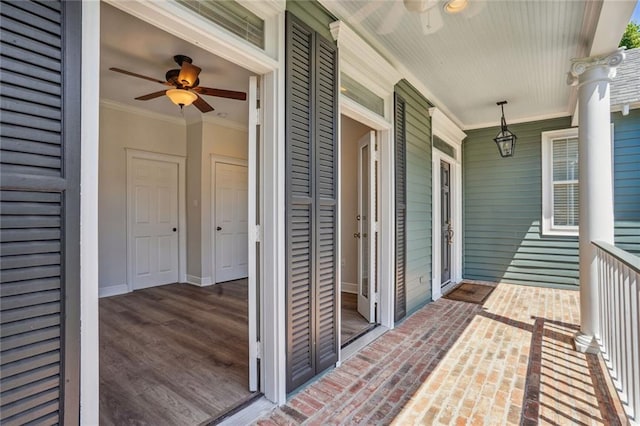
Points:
[(356, 235), (218, 228)]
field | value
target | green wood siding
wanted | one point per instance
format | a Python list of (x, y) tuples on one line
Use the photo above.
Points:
[(502, 200), (313, 14), (418, 122), (627, 180)]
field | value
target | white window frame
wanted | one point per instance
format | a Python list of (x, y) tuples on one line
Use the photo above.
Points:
[(548, 228)]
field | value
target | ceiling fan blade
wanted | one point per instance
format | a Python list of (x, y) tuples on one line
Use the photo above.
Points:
[(151, 95), (202, 105), (133, 74), (229, 94), (188, 74)]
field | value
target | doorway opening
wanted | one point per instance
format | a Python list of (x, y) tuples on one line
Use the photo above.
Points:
[(178, 313), (359, 234)]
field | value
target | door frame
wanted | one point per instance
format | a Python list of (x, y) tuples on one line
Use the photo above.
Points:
[(450, 133), (270, 64), (215, 159), (180, 161)]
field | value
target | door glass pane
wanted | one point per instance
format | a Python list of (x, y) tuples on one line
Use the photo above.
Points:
[(364, 212)]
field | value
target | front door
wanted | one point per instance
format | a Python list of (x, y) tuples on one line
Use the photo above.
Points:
[(232, 237), (446, 238), (367, 226), (154, 222)]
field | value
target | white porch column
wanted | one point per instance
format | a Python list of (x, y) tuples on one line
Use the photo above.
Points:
[(592, 75)]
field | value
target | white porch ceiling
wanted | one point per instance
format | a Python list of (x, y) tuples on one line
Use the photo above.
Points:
[(518, 51), (134, 45)]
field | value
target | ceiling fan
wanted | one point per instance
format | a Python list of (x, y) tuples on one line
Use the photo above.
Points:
[(186, 89)]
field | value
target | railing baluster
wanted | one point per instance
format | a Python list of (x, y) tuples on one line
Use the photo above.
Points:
[(619, 319)]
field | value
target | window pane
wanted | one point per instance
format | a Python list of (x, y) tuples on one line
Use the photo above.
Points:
[(565, 204), (565, 159)]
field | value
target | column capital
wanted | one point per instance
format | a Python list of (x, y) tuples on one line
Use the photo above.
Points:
[(606, 63)]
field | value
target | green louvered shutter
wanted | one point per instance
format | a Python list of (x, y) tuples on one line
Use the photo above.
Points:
[(401, 207), (300, 193), (326, 179), (311, 180), (40, 207)]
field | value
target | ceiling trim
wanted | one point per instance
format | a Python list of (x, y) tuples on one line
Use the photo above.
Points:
[(193, 28), (363, 62), (118, 106), (218, 121), (518, 121)]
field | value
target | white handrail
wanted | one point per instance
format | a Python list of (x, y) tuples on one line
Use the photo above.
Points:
[(619, 317)]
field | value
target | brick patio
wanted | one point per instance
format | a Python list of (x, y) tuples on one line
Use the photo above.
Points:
[(508, 362)]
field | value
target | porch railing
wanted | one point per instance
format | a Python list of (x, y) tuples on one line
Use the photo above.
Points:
[(619, 311)]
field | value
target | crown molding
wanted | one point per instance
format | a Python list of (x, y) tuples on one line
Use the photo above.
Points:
[(218, 121), (445, 128), (518, 121), (361, 61), (119, 106)]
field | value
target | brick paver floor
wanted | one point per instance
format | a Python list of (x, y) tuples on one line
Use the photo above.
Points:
[(510, 361)]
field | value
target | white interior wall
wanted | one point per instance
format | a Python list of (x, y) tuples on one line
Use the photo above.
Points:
[(351, 132), (120, 129)]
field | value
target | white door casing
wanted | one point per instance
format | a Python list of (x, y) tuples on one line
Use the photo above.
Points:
[(231, 222), (155, 219), (367, 234), (255, 237)]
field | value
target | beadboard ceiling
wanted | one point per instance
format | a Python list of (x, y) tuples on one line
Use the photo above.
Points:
[(134, 45), (518, 51)]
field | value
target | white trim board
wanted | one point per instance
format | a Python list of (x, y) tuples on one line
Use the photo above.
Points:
[(113, 290), (349, 288), (198, 281)]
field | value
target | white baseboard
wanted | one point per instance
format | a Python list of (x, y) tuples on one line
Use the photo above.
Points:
[(198, 281), (112, 290), (349, 288)]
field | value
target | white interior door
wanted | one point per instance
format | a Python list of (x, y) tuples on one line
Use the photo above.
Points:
[(231, 222), (367, 226), (153, 222)]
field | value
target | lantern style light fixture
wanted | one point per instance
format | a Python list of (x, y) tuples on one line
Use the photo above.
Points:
[(181, 97), (505, 140)]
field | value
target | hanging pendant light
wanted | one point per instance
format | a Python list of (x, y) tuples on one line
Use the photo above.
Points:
[(505, 140)]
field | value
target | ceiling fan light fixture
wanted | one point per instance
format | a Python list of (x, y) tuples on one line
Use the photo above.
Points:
[(181, 97), (455, 6)]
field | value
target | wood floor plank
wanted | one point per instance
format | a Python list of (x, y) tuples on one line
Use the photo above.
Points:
[(175, 354), (353, 324)]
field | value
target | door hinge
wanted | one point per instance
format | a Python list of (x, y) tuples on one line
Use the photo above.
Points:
[(259, 349), (258, 116), (376, 226), (376, 297), (257, 233)]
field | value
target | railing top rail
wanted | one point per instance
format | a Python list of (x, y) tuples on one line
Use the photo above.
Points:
[(625, 257)]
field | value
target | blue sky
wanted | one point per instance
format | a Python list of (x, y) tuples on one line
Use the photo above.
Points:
[(636, 14)]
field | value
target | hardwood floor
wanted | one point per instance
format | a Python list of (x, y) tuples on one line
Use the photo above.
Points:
[(173, 355), (353, 324)]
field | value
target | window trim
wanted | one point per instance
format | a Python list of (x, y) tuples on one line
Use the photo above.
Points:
[(548, 228)]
